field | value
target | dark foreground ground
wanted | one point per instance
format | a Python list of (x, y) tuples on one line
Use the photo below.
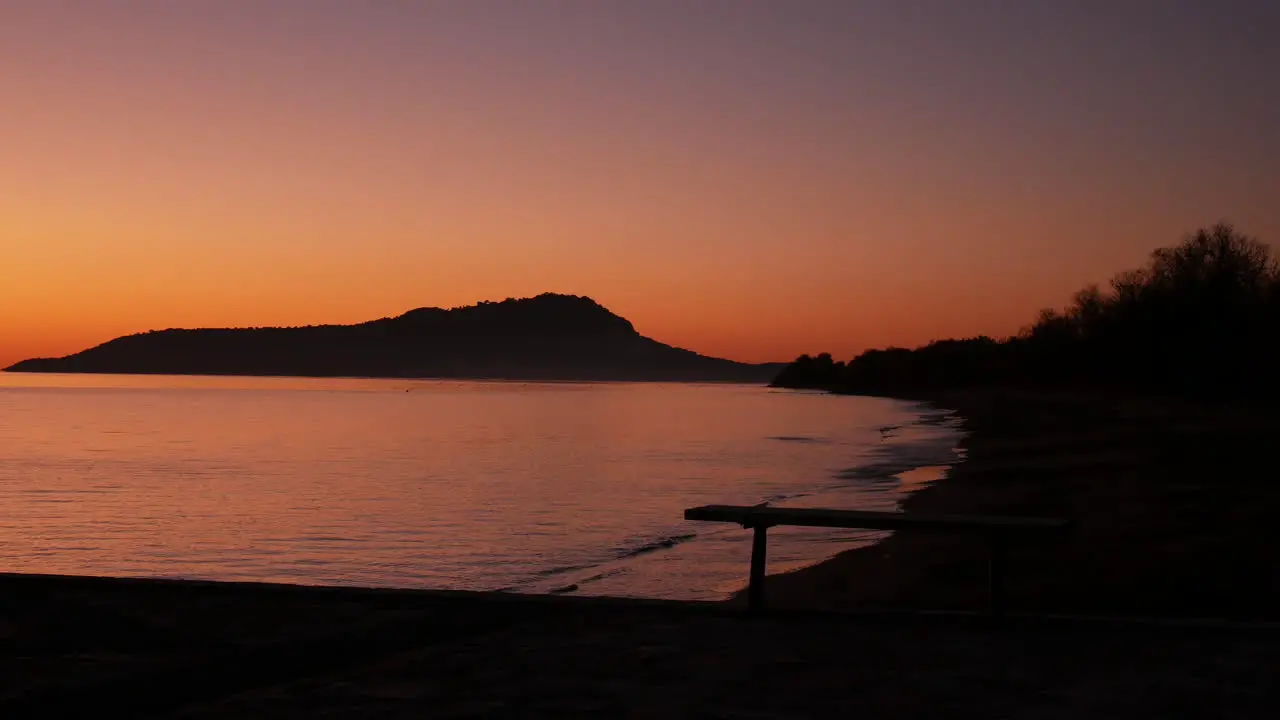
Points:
[(87, 647)]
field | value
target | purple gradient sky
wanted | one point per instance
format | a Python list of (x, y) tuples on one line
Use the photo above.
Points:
[(748, 179)]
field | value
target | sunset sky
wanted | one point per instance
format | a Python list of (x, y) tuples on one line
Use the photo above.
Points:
[(747, 179)]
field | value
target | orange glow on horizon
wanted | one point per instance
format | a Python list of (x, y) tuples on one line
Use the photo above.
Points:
[(757, 189)]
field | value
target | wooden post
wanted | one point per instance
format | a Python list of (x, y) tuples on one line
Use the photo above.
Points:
[(755, 590), (997, 569)]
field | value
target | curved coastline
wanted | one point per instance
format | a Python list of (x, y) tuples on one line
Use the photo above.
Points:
[(1170, 499), (840, 581)]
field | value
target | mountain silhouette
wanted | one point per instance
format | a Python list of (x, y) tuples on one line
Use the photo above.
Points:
[(548, 337)]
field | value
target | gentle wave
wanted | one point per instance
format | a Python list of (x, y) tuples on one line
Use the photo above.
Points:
[(662, 542), (562, 569), (783, 497), (524, 487), (798, 439), (588, 580), (659, 544)]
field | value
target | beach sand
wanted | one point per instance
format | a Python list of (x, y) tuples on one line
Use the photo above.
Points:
[(86, 647)]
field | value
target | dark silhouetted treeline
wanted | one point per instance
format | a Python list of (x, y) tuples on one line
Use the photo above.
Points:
[(1202, 318), (548, 337)]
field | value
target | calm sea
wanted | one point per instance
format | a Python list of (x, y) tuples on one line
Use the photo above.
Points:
[(473, 485)]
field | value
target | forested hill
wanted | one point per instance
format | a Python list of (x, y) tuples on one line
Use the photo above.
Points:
[(1202, 318)]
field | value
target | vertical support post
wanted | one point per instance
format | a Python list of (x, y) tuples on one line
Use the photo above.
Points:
[(755, 590), (997, 569)]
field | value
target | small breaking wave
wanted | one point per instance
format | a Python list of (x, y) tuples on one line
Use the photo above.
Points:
[(876, 472), (560, 570), (659, 544), (783, 497), (798, 439), (539, 577), (903, 450), (575, 587)]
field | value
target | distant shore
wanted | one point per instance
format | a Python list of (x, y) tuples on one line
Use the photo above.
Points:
[(1172, 503), (547, 337), (461, 377)]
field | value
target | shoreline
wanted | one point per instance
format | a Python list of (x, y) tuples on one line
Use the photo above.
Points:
[(827, 453), (1105, 645), (907, 471), (808, 587), (1169, 498)]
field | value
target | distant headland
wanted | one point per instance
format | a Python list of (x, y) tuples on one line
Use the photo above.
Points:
[(548, 337)]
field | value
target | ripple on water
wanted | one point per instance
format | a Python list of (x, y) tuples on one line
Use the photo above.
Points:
[(461, 485)]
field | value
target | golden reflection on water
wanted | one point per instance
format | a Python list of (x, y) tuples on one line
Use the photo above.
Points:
[(917, 479), (420, 483)]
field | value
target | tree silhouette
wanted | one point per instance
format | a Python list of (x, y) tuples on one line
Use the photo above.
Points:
[(1203, 318)]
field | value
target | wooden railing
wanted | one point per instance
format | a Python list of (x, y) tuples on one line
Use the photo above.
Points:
[(997, 530)]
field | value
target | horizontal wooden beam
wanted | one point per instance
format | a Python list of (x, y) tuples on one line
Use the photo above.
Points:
[(764, 516)]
